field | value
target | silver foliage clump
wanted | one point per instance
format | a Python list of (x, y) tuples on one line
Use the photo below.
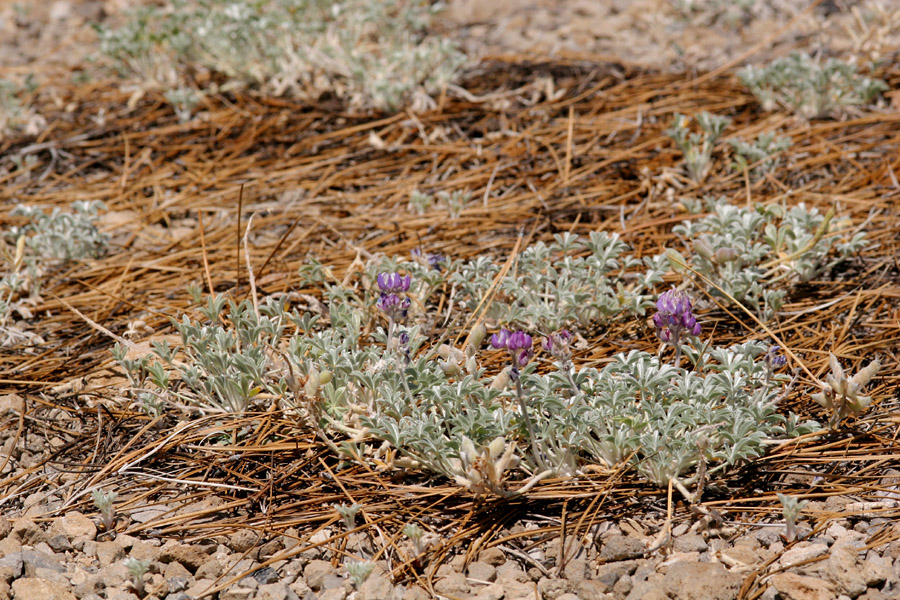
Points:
[(432, 407), (376, 54), (697, 147), (841, 394), (809, 87), (755, 254), (46, 239), (665, 420), (227, 361), (572, 281), (765, 152), (361, 367), (17, 115), (62, 234)]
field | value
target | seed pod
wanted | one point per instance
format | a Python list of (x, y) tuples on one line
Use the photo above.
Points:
[(476, 337), (449, 367), (471, 366), (866, 374), (312, 383), (501, 380), (703, 248), (726, 255)]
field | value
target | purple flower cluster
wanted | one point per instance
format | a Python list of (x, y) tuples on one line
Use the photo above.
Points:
[(557, 344), (774, 358), (675, 317), (517, 343), (391, 284), (435, 261)]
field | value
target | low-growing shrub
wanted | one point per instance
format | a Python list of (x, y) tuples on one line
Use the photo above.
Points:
[(766, 151), (755, 255), (698, 147), (368, 52), (62, 234), (373, 367), (809, 87)]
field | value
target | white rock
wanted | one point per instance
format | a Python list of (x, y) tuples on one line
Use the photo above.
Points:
[(32, 588), (802, 552)]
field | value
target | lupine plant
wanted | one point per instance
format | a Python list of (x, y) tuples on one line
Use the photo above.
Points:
[(809, 87), (136, 570), (791, 508), (359, 571), (389, 301), (840, 394), (38, 244), (518, 345), (766, 151), (348, 514), (416, 536), (455, 201), (697, 147), (661, 418), (364, 369), (420, 202), (62, 234), (105, 503), (674, 320), (229, 359), (754, 255), (370, 53)]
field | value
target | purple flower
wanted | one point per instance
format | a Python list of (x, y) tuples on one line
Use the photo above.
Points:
[(557, 344), (517, 343), (498, 340), (394, 307), (435, 261), (774, 359), (511, 340), (393, 283), (675, 317)]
